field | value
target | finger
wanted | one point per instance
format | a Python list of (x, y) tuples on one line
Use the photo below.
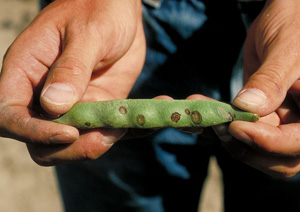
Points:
[(272, 119), (198, 96), (223, 134), (69, 77), (24, 125), (266, 89), (282, 140), (163, 97), (281, 167), (221, 131), (89, 146), (289, 110), (24, 67)]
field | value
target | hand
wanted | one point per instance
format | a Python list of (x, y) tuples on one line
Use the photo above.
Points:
[(73, 51), (272, 90)]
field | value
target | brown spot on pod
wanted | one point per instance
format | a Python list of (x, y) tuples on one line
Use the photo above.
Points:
[(187, 112), (140, 119), (196, 117), (123, 110), (87, 124), (230, 117), (175, 117)]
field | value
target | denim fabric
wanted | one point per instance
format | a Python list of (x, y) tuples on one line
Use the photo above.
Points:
[(187, 52), (192, 47)]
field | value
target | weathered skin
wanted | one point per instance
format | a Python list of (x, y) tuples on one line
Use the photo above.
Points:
[(152, 113)]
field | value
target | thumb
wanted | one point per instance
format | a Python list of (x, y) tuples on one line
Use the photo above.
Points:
[(265, 90), (271, 64), (69, 77)]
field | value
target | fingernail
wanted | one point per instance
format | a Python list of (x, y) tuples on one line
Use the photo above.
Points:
[(59, 94), (222, 132), (61, 139), (241, 136), (251, 98), (111, 136)]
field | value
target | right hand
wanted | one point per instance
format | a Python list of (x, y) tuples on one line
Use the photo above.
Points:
[(271, 75), (73, 51)]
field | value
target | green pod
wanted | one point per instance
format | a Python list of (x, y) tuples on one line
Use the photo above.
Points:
[(152, 113)]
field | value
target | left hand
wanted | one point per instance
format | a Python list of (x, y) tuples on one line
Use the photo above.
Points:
[(72, 51), (272, 90)]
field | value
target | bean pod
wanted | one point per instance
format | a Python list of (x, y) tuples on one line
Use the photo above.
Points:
[(152, 113)]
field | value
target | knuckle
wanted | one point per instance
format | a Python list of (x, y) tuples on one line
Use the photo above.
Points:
[(274, 76), (70, 66), (89, 153), (92, 146)]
